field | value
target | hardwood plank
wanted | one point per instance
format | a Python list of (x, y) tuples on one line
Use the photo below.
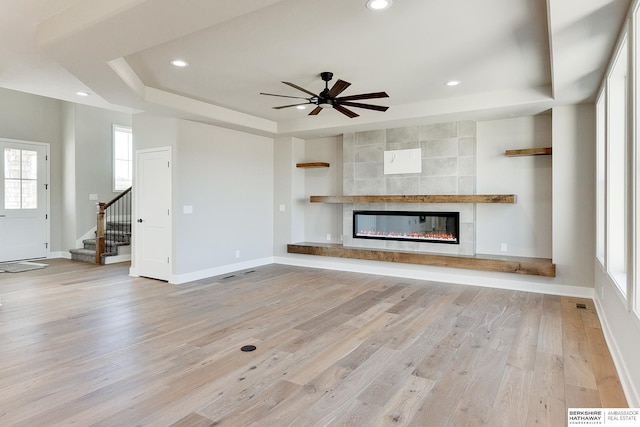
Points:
[(317, 364), (525, 346), (578, 369), (405, 403), (512, 400), (88, 345), (194, 420), (580, 397), (547, 400), (609, 387)]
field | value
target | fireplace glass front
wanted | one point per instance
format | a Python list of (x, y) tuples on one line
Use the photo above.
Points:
[(433, 227)]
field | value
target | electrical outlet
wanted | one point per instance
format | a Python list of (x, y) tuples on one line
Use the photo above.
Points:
[(503, 247), (282, 208), (329, 236), (237, 253)]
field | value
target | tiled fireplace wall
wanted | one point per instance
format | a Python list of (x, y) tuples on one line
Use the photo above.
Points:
[(448, 167)]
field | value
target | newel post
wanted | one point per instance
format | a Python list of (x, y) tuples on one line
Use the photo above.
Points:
[(100, 243)]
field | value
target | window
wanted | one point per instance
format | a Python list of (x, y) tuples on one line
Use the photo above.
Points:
[(600, 178), (617, 171), (122, 157), (20, 179)]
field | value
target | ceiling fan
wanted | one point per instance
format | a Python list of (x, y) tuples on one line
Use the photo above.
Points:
[(329, 98)]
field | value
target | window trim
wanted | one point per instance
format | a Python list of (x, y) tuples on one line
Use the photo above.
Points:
[(125, 129)]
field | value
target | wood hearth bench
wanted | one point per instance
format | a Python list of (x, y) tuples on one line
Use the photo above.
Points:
[(503, 264)]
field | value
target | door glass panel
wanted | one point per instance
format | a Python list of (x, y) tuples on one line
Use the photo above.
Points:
[(29, 164), (12, 194), (20, 179), (29, 194), (11, 163)]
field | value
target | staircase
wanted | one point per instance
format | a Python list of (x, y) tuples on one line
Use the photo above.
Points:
[(117, 245), (113, 233)]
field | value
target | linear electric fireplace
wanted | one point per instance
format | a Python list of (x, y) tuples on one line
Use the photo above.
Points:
[(433, 227)]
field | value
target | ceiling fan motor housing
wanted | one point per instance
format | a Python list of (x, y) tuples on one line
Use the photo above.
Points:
[(326, 76)]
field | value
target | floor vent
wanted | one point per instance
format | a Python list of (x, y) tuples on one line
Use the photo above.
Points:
[(581, 306), (229, 277), (249, 272)]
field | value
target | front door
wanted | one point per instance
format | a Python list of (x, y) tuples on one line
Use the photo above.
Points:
[(23, 200), (152, 195)]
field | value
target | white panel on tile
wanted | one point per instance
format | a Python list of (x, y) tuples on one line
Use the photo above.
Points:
[(403, 161)]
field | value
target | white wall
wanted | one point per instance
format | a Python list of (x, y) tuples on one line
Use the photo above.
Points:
[(35, 118), (574, 200), (94, 161), (288, 190), (68, 165), (525, 227), (323, 219), (226, 176)]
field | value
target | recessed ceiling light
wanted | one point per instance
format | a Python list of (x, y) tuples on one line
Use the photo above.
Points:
[(179, 63), (379, 4), (81, 93), (453, 82), (301, 107)]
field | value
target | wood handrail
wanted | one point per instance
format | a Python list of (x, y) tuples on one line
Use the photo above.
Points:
[(100, 225), (118, 197)]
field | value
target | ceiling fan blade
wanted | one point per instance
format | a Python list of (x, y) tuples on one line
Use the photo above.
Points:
[(338, 88), (291, 105), (283, 96), (345, 111), (315, 111), (371, 95), (299, 88), (367, 106)]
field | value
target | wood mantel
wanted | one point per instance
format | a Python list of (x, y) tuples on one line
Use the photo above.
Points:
[(313, 165), (530, 266), (539, 151), (425, 198)]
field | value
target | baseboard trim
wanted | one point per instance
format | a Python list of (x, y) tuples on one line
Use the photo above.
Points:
[(117, 258), (508, 281), (60, 254), (178, 279), (632, 394)]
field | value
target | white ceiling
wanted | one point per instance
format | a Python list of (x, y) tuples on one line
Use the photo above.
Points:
[(513, 57)]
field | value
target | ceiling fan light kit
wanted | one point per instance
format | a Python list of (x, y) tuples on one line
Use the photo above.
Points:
[(329, 98)]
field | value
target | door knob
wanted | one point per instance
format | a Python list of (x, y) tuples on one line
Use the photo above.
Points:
[(140, 220)]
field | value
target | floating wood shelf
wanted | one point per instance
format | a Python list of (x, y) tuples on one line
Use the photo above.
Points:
[(434, 198), (542, 151), (313, 165), (530, 266)]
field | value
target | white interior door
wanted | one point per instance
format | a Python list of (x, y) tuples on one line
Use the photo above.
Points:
[(152, 195), (23, 200)]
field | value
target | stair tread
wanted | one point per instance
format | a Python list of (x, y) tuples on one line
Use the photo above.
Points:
[(107, 242), (82, 251)]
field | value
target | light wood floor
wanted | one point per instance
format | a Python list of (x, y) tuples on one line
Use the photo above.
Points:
[(88, 345)]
